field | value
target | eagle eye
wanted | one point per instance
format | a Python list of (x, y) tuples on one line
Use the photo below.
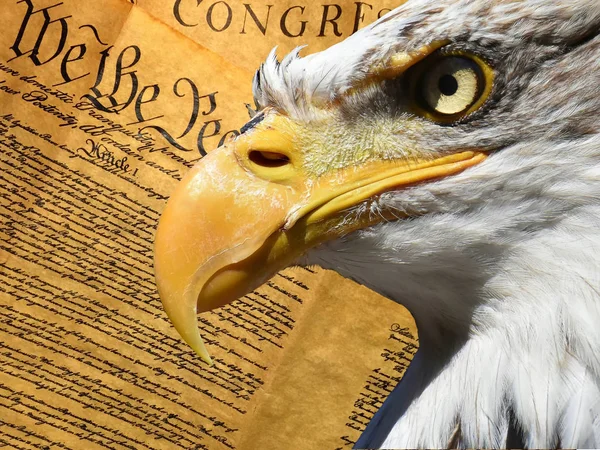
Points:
[(446, 86)]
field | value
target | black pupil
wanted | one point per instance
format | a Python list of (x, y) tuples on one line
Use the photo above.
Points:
[(448, 85)]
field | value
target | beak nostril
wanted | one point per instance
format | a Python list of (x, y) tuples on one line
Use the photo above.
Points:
[(268, 159)]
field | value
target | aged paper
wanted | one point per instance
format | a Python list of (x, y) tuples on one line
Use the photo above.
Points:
[(232, 27), (102, 110)]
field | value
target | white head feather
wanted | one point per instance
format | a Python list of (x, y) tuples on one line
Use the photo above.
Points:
[(499, 266)]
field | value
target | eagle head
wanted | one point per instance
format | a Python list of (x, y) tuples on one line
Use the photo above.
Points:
[(448, 157)]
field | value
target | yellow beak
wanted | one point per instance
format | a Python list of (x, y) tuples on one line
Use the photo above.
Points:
[(250, 208)]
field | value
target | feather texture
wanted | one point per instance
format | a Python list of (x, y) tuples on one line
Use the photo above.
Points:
[(499, 263)]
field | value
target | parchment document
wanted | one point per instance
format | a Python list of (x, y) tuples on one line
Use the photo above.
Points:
[(103, 108), (245, 31)]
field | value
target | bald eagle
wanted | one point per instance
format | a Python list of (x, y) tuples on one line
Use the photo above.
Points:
[(447, 157)]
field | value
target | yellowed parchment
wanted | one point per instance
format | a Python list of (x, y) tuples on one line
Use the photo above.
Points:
[(244, 32), (102, 109)]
